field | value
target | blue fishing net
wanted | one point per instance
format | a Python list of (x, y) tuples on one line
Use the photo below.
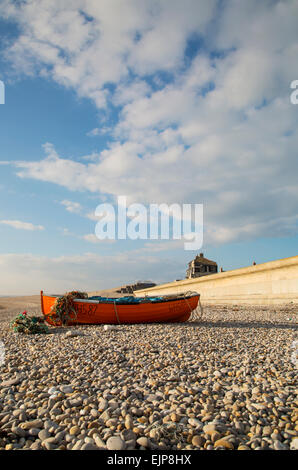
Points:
[(130, 299)]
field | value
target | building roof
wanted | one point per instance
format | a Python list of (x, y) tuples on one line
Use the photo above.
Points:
[(201, 260)]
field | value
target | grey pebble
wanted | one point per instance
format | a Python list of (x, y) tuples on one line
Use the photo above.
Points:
[(115, 443)]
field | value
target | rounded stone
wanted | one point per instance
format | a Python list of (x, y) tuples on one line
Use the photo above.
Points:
[(89, 446), (294, 444), (43, 434), (34, 431), (115, 443), (279, 446), (219, 389), (223, 443), (74, 430), (209, 428), (144, 442), (35, 445), (215, 436), (66, 389), (37, 423), (128, 422), (198, 441)]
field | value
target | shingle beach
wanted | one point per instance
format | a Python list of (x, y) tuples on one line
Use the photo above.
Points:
[(226, 382)]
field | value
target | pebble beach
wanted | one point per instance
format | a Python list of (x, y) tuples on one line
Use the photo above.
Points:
[(226, 382)]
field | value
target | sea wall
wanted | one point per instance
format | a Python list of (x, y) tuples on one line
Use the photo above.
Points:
[(275, 282)]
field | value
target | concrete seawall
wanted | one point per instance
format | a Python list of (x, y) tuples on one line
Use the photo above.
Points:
[(275, 282)]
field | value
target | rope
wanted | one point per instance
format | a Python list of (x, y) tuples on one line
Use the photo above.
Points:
[(63, 311), (115, 308), (194, 313), (190, 309), (201, 308), (22, 323)]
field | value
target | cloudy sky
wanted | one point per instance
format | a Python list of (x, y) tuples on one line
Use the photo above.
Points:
[(167, 101)]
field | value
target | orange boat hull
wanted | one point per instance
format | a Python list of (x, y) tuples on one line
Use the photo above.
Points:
[(93, 312)]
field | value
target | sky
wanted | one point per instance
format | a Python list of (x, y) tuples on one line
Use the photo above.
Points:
[(164, 102)]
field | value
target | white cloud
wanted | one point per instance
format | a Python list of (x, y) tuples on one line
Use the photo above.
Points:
[(66, 232), (241, 174), (19, 225), (85, 44), (92, 216), (128, 92), (162, 45), (218, 130), (92, 238), (71, 206), (94, 132), (279, 227), (77, 208)]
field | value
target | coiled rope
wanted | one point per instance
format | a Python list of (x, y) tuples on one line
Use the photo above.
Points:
[(63, 311)]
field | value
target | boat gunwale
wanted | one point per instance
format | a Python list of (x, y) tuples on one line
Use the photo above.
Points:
[(91, 301)]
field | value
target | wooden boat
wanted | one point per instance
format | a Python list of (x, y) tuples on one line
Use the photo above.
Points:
[(114, 311)]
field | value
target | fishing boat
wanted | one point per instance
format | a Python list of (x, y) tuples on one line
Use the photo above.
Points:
[(130, 309)]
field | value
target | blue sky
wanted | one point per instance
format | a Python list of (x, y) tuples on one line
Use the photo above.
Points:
[(155, 101)]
